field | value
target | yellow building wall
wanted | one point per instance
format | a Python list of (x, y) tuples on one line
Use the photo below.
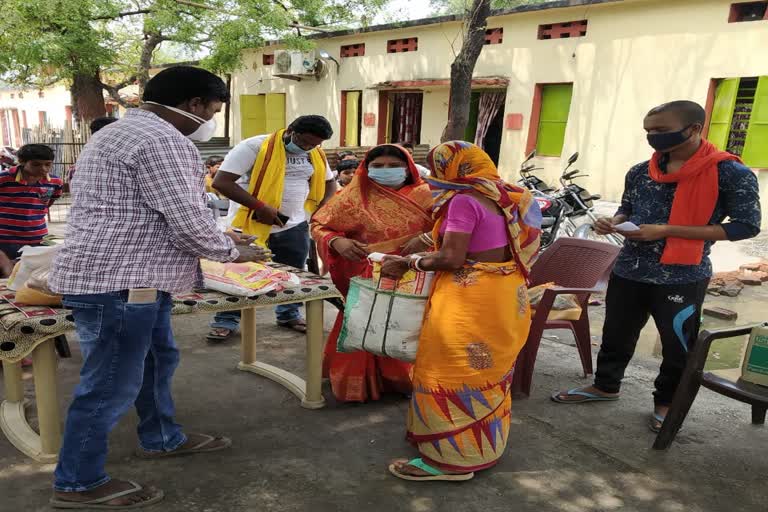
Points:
[(636, 55)]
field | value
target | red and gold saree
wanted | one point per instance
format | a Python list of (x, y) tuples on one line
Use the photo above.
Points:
[(384, 219)]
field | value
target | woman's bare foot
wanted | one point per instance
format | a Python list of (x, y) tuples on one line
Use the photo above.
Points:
[(579, 395), (111, 487)]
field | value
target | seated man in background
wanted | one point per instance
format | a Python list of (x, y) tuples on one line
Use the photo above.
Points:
[(26, 192), (423, 171), (100, 122), (212, 164)]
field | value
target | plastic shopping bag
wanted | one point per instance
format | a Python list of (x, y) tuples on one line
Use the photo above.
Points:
[(246, 279), (381, 322), (411, 283), (32, 259)]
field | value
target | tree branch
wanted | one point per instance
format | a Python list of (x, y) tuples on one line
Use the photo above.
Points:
[(123, 15), (194, 4), (114, 90)]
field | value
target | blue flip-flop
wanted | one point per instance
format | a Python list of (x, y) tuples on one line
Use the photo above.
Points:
[(587, 397), (433, 474), (652, 425)]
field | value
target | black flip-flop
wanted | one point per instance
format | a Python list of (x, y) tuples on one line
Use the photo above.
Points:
[(219, 337), (294, 325)]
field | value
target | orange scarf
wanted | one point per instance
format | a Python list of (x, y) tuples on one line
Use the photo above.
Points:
[(695, 199)]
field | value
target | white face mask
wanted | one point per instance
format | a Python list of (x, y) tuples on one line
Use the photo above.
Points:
[(204, 132)]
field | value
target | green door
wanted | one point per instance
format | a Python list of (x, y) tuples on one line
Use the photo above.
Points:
[(756, 145), (555, 107), (722, 112)]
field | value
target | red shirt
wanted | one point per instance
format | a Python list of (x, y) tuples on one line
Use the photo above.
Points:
[(24, 206)]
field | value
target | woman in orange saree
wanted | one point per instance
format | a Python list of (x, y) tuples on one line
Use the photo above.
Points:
[(383, 209), (477, 317)]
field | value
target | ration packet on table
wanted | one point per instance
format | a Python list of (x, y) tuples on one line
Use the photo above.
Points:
[(246, 279)]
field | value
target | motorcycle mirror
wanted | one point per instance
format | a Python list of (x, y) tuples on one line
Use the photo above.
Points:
[(573, 158), (530, 156)]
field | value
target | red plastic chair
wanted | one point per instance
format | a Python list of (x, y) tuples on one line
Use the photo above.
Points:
[(578, 267)]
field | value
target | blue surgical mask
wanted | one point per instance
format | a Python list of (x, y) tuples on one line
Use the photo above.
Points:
[(388, 176), (294, 148)]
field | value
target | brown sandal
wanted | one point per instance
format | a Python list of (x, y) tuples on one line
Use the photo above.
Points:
[(102, 503)]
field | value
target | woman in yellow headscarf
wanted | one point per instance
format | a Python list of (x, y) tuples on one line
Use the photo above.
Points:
[(477, 318)]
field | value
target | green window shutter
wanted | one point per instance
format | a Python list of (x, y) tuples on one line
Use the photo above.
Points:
[(756, 146), (722, 112), (555, 106)]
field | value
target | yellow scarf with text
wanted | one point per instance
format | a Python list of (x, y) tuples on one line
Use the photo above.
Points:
[(268, 180)]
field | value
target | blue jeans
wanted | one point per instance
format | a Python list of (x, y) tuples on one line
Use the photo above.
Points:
[(289, 247), (129, 357)]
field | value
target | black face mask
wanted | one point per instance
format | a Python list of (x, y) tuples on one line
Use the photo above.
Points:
[(665, 141)]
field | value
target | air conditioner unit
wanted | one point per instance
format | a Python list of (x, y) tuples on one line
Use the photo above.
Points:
[(294, 63)]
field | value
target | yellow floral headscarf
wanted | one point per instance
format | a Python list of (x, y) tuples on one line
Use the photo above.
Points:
[(460, 167)]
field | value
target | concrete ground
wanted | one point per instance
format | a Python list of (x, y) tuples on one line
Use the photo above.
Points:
[(565, 458)]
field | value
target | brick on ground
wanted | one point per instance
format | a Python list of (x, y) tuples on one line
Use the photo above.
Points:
[(721, 313)]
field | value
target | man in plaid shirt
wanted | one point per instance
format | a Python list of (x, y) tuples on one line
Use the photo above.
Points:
[(138, 227)]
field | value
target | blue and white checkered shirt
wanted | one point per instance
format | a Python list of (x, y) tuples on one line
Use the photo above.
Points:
[(139, 217)]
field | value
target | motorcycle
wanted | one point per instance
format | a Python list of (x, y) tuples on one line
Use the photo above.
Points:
[(581, 203), (553, 208), (568, 211)]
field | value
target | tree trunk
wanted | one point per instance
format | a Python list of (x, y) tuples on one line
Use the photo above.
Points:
[(87, 97), (462, 68), (151, 41)]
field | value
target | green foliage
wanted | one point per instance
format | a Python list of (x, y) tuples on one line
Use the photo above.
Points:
[(43, 41)]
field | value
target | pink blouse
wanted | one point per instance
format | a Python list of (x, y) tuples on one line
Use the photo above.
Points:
[(467, 215)]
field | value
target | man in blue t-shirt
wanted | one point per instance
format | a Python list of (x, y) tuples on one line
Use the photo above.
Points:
[(680, 201)]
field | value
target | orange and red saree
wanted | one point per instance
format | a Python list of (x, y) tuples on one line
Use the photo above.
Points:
[(384, 219)]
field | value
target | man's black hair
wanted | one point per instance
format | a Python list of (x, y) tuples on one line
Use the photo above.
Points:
[(315, 125), (100, 122), (406, 145), (178, 84), (30, 152), (213, 160), (345, 153), (345, 165), (689, 112)]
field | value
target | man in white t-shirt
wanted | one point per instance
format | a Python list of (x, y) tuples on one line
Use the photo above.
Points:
[(289, 234)]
